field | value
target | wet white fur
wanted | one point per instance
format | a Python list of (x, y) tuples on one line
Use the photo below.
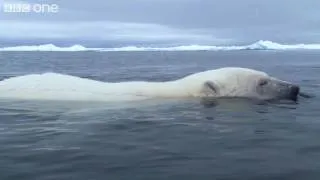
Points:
[(51, 86)]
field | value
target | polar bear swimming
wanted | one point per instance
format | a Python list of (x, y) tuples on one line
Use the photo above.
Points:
[(223, 82)]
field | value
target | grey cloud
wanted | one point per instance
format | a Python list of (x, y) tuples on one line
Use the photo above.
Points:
[(103, 30), (215, 21)]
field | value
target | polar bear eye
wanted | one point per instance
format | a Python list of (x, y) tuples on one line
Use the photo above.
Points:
[(263, 82)]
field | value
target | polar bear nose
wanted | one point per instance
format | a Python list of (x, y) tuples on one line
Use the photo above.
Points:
[(294, 91)]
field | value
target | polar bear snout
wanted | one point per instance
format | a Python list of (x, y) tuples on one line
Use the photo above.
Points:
[(294, 92), (277, 89), (289, 91)]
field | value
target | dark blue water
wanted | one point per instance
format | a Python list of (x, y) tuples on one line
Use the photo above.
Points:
[(163, 139)]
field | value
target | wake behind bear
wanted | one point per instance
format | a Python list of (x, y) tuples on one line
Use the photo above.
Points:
[(223, 82)]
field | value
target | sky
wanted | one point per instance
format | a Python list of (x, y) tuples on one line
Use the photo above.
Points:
[(114, 23)]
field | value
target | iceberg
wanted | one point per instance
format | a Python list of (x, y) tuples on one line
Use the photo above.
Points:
[(269, 45), (259, 45), (45, 47)]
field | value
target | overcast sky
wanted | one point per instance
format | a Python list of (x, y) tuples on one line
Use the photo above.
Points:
[(163, 22)]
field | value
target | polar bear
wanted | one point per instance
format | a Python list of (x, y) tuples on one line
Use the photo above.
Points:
[(223, 82), (242, 82)]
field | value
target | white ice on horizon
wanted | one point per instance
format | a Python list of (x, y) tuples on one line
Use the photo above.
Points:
[(45, 47), (259, 45)]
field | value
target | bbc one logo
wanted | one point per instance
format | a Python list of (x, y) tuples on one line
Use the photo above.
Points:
[(29, 8)]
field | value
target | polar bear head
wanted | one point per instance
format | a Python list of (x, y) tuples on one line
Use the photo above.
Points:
[(242, 82)]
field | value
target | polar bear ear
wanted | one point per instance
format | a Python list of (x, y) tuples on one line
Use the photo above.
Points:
[(211, 88)]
